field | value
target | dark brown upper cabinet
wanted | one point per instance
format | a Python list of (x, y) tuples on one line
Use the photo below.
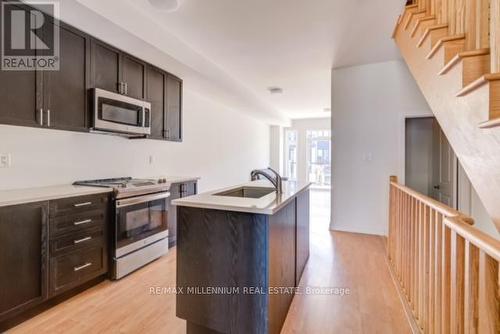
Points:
[(133, 76), (105, 67), (51, 99), (117, 71), (61, 99), (65, 91), (157, 96), (164, 91), (23, 257), (173, 118), (21, 96)]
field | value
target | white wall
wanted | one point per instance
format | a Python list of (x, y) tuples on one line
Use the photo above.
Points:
[(221, 146), (470, 204), (369, 104), (276, 148)]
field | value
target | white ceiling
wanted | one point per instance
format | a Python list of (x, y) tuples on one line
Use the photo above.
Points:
[(255, 44)]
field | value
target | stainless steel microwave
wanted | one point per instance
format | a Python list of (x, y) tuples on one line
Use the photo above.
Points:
[(120, 114)]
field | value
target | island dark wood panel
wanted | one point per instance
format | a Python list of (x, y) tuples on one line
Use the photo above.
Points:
[(303, 234), (281, 265), (258, 259), (220, 249)]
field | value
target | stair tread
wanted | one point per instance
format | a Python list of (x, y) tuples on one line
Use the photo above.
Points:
[(490, 124), (411, 16), (428, 31), (478, 83), (461, 55), (440, 43), (420, 20)]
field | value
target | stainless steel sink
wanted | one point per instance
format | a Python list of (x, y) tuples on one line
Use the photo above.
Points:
[(247, 192)]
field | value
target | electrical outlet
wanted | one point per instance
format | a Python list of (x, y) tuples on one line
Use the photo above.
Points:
[(5, 160), (151, 160)]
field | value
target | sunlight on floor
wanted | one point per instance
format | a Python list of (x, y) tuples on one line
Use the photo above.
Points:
[(320, 210)]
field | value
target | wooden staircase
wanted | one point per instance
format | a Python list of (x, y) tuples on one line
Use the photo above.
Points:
[(452, 48)]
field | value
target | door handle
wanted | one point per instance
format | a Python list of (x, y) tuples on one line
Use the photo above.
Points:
[(48, 118), (437, 187)]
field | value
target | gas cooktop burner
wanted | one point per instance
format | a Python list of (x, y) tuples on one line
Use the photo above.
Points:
[(127, 186)]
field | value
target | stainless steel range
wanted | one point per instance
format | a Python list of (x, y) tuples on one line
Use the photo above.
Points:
[(140, 221)]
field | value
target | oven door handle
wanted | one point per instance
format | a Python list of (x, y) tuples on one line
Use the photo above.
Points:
[(142, 199)]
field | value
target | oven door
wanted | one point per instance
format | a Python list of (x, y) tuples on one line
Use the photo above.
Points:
[(140, 221)]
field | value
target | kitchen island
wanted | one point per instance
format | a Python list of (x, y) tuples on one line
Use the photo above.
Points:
[(241, 252)]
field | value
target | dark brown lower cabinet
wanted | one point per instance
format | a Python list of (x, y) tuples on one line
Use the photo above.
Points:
[(78, 241), (23, 257), (253, 260), (74, 268), (48, 248), (282, 229), (178, 190), (302, 242)]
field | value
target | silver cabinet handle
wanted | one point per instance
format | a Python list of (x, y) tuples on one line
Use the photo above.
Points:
[(82, 204), (40, 116), (48, 117), (86, 221), (82, 240), (88, 264)]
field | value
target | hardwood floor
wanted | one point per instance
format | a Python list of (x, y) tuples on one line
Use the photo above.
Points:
[(338, 259)]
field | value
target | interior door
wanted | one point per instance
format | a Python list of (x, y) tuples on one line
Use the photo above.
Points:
[(444, 169)]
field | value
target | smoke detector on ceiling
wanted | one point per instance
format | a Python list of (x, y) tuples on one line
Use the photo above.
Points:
[(166, 5), (275, 90)]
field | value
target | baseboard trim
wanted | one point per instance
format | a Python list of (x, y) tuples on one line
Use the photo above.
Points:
[(415, 328)]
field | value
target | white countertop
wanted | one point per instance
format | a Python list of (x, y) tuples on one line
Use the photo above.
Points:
[(30, 195), (21, 196), (267, 205)]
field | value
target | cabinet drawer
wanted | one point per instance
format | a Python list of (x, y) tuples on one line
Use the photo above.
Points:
[(78, 222), (73, 205), (75, 268), (75, 241)]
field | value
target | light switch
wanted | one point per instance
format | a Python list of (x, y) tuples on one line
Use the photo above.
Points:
[(5, 160)]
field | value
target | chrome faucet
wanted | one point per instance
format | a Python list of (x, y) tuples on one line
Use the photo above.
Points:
[(276, 180)]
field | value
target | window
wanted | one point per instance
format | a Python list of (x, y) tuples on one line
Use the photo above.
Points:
[(291, 154), (319, 157)]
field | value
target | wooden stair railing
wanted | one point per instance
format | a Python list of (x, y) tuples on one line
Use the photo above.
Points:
[(452, 48), (446, 270)]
